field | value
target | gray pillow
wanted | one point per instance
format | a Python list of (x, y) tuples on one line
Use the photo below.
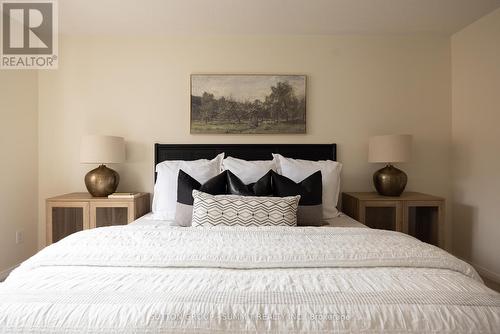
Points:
[(234, 210), (185, 186), (310, 212)]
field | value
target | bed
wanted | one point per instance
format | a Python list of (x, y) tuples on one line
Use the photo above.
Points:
[(152, 277)]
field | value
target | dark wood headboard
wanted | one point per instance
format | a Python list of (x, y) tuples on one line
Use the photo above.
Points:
[(244, 151)]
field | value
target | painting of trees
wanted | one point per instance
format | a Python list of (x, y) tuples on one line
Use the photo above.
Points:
[(248, 104)]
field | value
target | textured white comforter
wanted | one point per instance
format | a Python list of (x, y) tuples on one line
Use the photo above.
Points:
[(143, 279)]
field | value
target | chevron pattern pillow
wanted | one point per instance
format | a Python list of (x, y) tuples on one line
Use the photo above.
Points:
[(234, 210)]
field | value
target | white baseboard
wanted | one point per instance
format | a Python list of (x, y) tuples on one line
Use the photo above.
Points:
[(6, 272), (491, 275)]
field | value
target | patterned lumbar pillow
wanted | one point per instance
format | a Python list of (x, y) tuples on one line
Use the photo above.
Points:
[(310, 212), (233, 210), (262, 187), (185, 186)]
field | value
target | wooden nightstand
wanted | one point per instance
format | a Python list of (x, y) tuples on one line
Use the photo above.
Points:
[(417, 214), (70, 213)]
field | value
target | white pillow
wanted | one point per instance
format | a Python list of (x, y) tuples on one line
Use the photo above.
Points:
[(165, 190), (249, 171), (297, 170)]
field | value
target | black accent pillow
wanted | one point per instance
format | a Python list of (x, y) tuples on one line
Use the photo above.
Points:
[(262, 187), (185, 186), (310, 212)]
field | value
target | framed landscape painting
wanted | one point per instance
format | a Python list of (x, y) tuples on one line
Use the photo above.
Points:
[(244, 104)]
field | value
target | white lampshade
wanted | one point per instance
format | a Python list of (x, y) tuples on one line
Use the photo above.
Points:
[(389, 148), (97, 149)]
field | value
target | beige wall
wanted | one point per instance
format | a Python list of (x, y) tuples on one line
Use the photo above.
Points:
[(139, 88), (476, 144), (18, 165)]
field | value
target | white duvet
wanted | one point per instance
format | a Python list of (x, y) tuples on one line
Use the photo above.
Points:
[(144, 279)]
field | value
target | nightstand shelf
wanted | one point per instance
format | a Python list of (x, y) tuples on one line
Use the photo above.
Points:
[(70, 213), (417, 214)]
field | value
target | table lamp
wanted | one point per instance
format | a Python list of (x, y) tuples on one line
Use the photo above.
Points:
[(97, 149), (389, 181)]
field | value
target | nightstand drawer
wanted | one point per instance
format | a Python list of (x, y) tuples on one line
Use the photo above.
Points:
[(109, 214), (66, 218), (384, 215), (105, 216)]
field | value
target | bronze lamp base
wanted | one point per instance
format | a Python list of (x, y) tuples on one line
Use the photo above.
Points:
[(390, 181), (102, 181)]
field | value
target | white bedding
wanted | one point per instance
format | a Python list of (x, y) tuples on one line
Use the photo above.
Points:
[(154, 279), (340, 221)]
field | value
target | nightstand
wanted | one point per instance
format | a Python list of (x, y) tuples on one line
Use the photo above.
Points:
[(70, 213), (417, 214)]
